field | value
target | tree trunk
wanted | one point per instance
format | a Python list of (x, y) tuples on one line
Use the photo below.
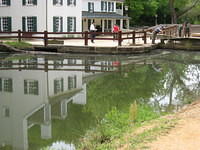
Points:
[(172, 12)]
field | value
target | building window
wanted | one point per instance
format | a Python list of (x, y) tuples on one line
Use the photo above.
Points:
[(6, 85), (90, 6), (72, 82), (29, 24), (4, 2), (29, 2), (71, 24), (58, 85), (6, 111), (71, 61), (71, 2), (110, 6), (57, 24), (5, 24), (58, 2), (31, 87), (103, 6)]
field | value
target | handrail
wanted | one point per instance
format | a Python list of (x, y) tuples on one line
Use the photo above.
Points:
[(68, 35), (85, 36)]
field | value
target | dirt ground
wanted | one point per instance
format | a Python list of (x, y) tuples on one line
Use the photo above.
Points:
[(185, 135)]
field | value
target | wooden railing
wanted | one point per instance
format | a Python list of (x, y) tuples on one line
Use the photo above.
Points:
[(85, 36)]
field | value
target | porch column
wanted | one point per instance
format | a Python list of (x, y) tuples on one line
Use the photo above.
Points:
[(128, 23), (121, 24), (103, 25), (122, 9), (112, 24)]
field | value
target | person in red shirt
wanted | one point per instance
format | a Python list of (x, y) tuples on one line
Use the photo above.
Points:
[(115, 30)]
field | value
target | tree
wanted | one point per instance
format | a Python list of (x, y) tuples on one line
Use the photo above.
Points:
[(177, 13)]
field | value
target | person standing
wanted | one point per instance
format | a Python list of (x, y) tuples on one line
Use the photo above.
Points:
[(187, 29), (115, 31), (93, 30), (180, 29)]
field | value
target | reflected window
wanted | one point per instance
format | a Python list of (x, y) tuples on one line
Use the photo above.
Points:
[(71, 61), (72, 82), (6, 111), (57, 64), (6, 64), (6, 85), (106, 66), (31, 87), (58, 85), (30, 63)]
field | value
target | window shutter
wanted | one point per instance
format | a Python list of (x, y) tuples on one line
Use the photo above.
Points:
[(106, 6), (61, 24), (68, 24), (54, 24), (23, 2), (89, 6), (102, 5), (25, 87), (62, 85), (35, 2), (69, 88), (37, 88), (34, 24), (75, 81), (10, 85), (74, 24), (55, 91), (24, 24), (74, 2), (0, 24), (8, 2), (54, 2), (9, 24), (0, 84)]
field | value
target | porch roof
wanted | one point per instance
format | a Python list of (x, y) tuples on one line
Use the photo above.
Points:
[(98, 15)]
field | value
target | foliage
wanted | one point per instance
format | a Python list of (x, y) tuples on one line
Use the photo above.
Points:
[(19, 45), (143, 12)]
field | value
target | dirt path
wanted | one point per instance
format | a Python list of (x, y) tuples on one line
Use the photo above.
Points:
[(185, 135)]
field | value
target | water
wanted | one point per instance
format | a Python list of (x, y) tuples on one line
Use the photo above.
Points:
[(52, 100)]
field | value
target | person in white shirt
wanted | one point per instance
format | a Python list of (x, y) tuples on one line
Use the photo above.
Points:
[(92, 30)]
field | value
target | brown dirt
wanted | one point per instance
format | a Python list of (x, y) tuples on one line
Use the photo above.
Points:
[(185, 135)]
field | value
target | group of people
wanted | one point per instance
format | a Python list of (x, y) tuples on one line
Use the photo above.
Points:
[(184, 30), (93, 29)]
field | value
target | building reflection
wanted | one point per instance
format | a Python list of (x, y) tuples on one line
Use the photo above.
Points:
[(33, 91)]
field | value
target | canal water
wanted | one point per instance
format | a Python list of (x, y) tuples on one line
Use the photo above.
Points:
[(52, 99)]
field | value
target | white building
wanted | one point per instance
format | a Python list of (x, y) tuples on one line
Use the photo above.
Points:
[(28, 97), (41, 15), (61, 15)]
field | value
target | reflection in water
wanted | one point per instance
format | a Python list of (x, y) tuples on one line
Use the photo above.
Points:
[(49, 92)]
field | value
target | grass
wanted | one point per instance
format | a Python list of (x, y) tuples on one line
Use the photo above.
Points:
[(116, 125), (19, 45)]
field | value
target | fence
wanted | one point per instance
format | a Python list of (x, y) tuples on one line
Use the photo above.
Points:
[(46, 36), (85, 36)]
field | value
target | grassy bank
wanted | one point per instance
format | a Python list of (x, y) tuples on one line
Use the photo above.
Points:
[(129, 130), (19, 45)]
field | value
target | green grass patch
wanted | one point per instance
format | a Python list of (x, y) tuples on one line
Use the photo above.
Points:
[(19, 45)]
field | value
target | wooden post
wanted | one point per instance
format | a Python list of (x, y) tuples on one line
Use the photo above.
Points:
[(19, 36), (120, 38), (133, 37), (86, 38), (145, 37), (45, 38)]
